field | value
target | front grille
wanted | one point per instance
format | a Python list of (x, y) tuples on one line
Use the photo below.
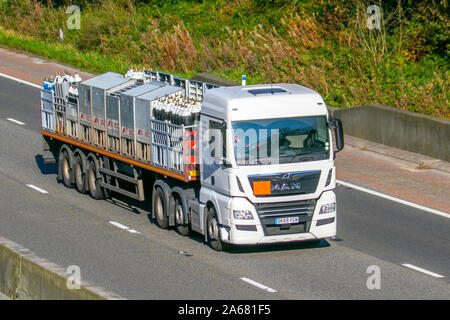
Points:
[(288, 183), (268, 212)]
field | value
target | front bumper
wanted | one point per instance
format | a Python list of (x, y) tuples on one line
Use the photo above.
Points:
[(254, 232)]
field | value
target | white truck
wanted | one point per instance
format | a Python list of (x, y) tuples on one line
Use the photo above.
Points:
[(240, 165)]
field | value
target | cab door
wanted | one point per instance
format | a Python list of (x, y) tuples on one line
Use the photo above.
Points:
[(213, 170)]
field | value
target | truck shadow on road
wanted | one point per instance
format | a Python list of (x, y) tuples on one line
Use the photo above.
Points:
[(300, 245), (46, 168), (131, 205), (263, 248)]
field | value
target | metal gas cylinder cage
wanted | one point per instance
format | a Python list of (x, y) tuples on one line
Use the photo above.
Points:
[(192, 88), (115, 114), (92, 97), (168, 144), (134, 120), (47, 118)]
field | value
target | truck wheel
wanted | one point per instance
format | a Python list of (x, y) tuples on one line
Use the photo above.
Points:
[(182, 228), (213, 231), (66, 171), (94, 184), (160, 208), (80, 182)]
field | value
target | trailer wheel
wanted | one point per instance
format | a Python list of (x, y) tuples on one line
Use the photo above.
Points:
[(80, 182), (160, 208), (182, 228), (213, 231), (66, 171), (93, 182)]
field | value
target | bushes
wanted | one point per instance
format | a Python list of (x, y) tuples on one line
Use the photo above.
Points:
[(322, 45)]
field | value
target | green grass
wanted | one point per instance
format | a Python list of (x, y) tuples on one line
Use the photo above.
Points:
[(319, 44), (66, 53), (91, 61)]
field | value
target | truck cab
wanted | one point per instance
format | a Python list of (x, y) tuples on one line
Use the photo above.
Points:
[(267, 170)]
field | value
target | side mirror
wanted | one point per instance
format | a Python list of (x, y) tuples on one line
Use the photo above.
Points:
[(338, 133)]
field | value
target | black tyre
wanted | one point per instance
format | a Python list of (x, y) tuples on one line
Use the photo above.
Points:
[(93, 182), (78, 172), (66, 170), (213, 231), (182, 228), (160, 208)]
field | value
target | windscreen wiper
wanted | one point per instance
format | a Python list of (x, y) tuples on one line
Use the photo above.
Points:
[(305, 154)]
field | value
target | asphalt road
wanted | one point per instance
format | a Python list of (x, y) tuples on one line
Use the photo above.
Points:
[(69, 228)]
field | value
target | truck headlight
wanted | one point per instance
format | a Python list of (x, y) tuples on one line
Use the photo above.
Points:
[(328, 208), (243, 214)]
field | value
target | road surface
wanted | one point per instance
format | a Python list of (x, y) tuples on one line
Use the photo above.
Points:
[(68, 228)]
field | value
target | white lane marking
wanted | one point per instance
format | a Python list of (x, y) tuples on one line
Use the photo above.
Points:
[(407, 265), (259, 285), (36, 188), (132, 231), (121, 226), (15, 121), (20, 80), (385, 196)]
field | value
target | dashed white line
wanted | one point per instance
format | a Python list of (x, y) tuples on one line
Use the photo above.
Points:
[(385, 196), (36, 188), (15, 121), (258, 285), (407, 265), (20, 80), (121, 226)]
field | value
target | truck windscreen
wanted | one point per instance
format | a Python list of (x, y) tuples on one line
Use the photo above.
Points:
[(273, 141)]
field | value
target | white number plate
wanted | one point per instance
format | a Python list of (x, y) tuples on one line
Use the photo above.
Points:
[(287, 220)]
